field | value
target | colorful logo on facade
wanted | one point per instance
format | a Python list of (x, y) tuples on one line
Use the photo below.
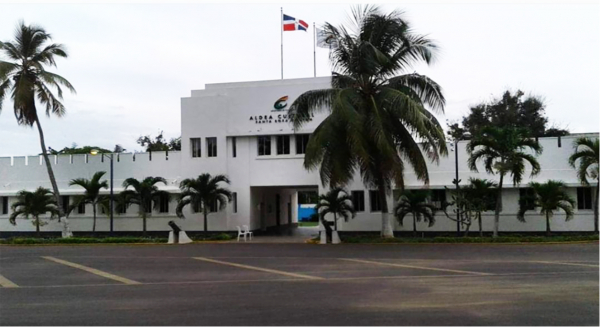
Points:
[(281, 103)]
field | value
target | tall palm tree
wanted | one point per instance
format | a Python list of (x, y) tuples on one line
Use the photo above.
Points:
[(338, 202), (502, 151), (36, 203), (549, 197), (481, 193), (587, 153), (202, 192), (416, 203), (144, 193), (28, 82), (92, 193), (378, 121)]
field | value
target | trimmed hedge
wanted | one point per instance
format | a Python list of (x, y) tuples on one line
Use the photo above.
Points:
[(105, 240), (444, 239)]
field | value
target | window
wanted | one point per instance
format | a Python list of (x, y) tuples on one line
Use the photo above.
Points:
[(196, 207), (213, 206), (233, 147), (301, 142), (264, 145), (527, 198), (283, 144), (211, 146), (375, 201), (5, 205), (81, 208), (584, 198), (234, 195), (438, 198), (148, 206), (121, 208), (196, 147), (358, 200), (164, 203), (65, 202)]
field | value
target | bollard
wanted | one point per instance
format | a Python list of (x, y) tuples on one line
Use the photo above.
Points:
[(174, 235)]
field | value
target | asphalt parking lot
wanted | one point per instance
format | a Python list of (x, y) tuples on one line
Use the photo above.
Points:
[(300, 284)]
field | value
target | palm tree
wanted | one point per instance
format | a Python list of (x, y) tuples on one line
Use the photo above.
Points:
[(92, 192), (549, 197), (36, 203), (587, 153), (481, 193), (143, 193), (377, 112), (502, 151), (202, 193), (338, 202), (416, 203), (26, 79)]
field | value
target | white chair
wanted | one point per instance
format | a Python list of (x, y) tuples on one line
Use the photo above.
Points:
[(247, 231), (243, 232)]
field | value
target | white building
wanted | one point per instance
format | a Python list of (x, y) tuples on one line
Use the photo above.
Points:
[(241, 130)]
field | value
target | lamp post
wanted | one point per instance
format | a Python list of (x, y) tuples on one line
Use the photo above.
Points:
[(109, 156), (464, 136)]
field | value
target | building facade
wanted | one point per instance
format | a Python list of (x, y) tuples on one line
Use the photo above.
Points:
[(242, 130)]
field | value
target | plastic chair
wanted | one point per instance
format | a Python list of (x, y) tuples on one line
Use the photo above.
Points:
[(241, 233), (247, 231)]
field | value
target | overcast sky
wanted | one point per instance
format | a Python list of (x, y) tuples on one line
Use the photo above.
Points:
[(131, 64)]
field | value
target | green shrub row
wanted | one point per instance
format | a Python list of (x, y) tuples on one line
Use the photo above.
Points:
[(105, 240), (444, 239)]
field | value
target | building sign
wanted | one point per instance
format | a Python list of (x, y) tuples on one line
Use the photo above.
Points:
[(279, 106)]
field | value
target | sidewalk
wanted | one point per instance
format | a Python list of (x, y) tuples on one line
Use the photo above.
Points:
[(296, 235)]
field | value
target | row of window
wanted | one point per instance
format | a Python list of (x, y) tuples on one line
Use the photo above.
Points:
[(163, 206), (438, 199), (196, 147), (283, 144), (264, 145)]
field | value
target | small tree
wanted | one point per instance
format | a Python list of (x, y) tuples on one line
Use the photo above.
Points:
[(337, 202), (549, 197), (202, 193), (34, 204), (143, 193), (586, 154), (91, 194), (481, 194), (159, 143), (415, 203)]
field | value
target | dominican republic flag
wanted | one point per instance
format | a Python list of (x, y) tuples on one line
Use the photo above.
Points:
[(291, 24)]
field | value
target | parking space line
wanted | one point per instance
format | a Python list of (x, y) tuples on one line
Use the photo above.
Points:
[(94, 271), (273, 271), (5, 283), (415, 267), (565, 263)]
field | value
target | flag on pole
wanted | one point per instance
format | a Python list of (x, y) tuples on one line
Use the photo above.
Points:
[(325, 40), (292, 24)]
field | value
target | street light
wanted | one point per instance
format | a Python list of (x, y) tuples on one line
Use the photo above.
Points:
[(464, 136), (109, 156)]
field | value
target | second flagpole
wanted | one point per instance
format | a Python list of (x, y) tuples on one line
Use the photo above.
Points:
[(315, 49)]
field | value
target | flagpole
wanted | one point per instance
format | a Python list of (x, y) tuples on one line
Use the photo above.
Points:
[(281, 27), (315, 48)]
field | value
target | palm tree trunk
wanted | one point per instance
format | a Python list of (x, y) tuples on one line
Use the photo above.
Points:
[(547, 224), (37, 226), (414, 225), (335, 221), (480, 229), (143, 221), (498, 207), (94, 225), (61, 211), (386, 226), (204, 211), (596, 208)]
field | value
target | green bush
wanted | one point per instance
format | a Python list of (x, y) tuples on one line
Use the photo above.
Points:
[(81, 240), (449, 239)]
